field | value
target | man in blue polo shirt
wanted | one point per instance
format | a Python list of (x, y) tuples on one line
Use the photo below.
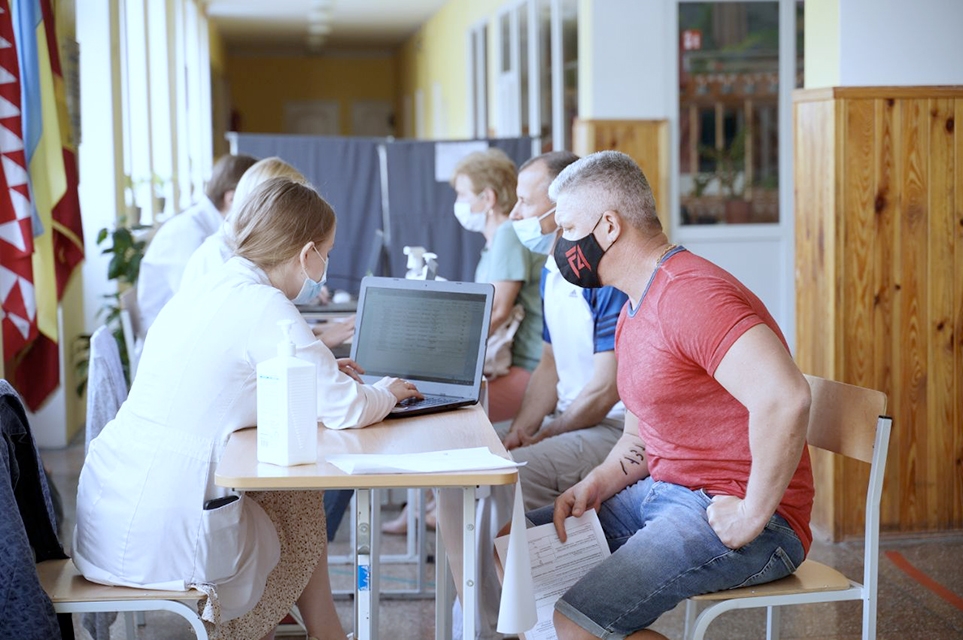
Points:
[(571, 415)]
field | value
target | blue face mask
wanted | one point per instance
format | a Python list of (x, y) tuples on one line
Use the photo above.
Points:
[(311, 289), (529, 232)]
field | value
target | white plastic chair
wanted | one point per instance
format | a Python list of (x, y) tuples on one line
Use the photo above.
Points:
[(849, 421)]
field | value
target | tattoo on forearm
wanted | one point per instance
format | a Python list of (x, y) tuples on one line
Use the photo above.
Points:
[(637, 457)]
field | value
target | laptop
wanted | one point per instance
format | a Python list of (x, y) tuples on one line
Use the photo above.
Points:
[(430, 332)]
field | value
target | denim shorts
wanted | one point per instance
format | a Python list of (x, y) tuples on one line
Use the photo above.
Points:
[(664, 551)]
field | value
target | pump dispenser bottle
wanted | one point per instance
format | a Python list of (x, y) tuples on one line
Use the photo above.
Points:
[(287, 406)]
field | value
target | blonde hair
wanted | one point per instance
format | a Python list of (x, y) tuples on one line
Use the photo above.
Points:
[(273, 167), (490, 169), (277, 219)]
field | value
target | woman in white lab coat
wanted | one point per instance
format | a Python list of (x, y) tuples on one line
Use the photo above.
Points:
[(148, 512)]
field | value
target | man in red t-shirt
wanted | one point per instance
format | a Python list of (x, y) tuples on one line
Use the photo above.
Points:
[(710, 486)]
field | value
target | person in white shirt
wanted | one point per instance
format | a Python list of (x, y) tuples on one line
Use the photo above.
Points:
[(218, 248), (145, 515), (162, 267)]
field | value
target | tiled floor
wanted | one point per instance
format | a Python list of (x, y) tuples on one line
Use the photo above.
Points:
[(910, 608)]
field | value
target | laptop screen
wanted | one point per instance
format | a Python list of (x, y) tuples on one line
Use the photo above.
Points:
[(421, 334)]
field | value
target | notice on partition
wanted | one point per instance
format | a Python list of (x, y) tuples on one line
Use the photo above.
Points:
[(448, 154), (556, 566)]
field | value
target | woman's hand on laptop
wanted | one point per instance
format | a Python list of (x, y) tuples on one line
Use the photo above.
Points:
[(402, 389), (351, 368)]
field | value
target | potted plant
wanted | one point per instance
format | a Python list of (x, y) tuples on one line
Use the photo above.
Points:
[(730, 171), (124, 267)]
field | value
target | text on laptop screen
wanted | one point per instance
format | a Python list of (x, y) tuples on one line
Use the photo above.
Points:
[(425, 335)]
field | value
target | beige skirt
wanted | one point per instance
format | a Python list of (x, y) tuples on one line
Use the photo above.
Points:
[(299, 519)]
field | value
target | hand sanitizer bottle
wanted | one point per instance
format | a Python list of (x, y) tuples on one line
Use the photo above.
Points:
[(287, 406)]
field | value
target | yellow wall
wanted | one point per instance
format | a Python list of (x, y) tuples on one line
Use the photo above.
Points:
[(438, 53), (260, 86), (822, 43), (216, 46)]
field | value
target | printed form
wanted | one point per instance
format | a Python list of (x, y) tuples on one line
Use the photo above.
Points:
[(556, 566)]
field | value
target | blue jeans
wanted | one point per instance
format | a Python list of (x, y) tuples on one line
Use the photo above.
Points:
[(664, 551)]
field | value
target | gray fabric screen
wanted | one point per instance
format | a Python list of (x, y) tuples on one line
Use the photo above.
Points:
[(348, 173), (420, 207)]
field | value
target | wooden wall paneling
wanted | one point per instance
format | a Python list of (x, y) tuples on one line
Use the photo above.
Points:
[(858, 143), (815, 236), (911, 301), (879, 275), (887, 340), (940, 399), (816, 334), (645, 141), (957, 336)]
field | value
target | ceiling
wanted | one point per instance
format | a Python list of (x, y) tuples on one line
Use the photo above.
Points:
[(313, 26)]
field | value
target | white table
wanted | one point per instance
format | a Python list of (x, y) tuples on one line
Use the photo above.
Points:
[(458, 429)]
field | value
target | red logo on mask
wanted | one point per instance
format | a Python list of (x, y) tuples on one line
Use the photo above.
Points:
[(576, 260)]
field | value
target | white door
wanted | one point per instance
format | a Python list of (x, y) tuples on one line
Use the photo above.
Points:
[(732, 141), (313, 117)]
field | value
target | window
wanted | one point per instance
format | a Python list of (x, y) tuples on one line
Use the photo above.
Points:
[(729, 111), (537, 62)]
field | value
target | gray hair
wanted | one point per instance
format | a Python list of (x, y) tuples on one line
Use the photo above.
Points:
[(615, 180)]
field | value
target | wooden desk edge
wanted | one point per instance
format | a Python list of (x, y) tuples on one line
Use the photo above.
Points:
[(370, 481)]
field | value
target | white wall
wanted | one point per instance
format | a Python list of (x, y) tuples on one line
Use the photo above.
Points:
[(629, 43), (900, 42)]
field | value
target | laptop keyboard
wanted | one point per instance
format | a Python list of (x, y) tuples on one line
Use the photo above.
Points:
[(427, 401)]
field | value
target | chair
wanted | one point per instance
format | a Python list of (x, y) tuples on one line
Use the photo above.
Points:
[(847, 420), (106, 386), (70, 592), (132, 324)]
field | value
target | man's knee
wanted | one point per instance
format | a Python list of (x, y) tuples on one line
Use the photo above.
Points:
[(565, 629)]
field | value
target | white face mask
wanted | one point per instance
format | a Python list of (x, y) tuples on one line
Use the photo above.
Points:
[(311, 289), (469, 219), (529, 232)]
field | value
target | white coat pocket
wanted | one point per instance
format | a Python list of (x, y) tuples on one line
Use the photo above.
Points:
[(219, 547)]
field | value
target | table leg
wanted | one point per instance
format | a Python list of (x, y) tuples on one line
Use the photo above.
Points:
[(470, 588), (444, 594), (364, 624), (375, 575)]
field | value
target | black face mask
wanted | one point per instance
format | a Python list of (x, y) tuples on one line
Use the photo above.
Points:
[(578, 260)]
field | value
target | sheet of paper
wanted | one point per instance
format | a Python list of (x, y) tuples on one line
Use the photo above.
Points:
[(517, 611), (448, 154), (474, 459), (556, 566)]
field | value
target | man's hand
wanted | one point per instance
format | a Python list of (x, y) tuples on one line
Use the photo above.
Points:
[(513, 440), (351, 368), (517, 437), (577, 500), (730, 519)]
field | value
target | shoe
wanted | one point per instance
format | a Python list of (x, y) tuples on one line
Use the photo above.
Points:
[(399, 524)]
